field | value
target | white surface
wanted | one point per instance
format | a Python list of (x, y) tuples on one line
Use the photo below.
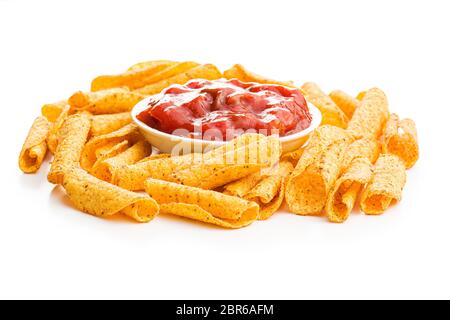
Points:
[(171, 143), (49, 250)]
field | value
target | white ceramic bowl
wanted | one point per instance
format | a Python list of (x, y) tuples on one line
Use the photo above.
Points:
[(166, 142)]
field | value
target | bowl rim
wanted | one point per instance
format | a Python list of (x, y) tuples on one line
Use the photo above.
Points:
[(143, 104)]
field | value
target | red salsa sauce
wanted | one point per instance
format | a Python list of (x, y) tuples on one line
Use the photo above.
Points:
[(223, 109)]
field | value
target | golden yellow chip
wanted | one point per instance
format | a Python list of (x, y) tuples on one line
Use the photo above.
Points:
[(369, 119), (331, 113), (386, 186), (362, 148), (342, 197), (72, 137), (107, 123), (107, 101), (91, 151), (361, 95), (100, 198), (317, 170), (400, 138), (346, 102), (269, 191), (148, 64), (35, 146), (106, 169), (108, 151), (241, 187), (239, 72), (52, 110), (246, 149), (53, 136), (141, 77), (202, 205), (293, 156), (205, 71)]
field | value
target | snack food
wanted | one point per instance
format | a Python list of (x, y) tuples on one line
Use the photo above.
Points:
[(331, 114), (101, 158), (35, 146), (72, 137), (239, 72), (107, 101), (317, 170), (386, 186), (369, 119), (205, 71), (223, 109), (400, 138), (345, 102), (107, 123), (99, 198), (202, 205)]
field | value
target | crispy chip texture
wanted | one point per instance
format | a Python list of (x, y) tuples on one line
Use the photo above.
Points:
[(331, 113), (131, 79), (293, 156), (72, 137), (53, 136), (105, 169), (386, 186), (269, 191), (202, 205), (100, 198), (345, 102), (369, 119), (400, 138), (246, 149), (362, 148), (107, 123), (205, 71), (317, 170), (241, 187), (147, 64), (35, 146), (115, 100), (52, 110), (104, 143), (342, 197), (239, 72)]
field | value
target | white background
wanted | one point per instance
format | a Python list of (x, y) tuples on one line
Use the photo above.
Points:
[(48, 50)]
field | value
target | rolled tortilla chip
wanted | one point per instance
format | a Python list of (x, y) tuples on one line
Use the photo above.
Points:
[(293, 156), (108, 151), (115, 100), (91, 151), (202, 205), (345, 102), (342, 197), (107, 123), (100, 198), (269, 192), (362, 148), (239, 72), (386, 186), (400, 138), (211, 176), (72, 138), (241, 187), (206, 71), (317, 170), (35, 146), (369, 119), (52, 110), (106, 169), (331, 113), (132, 177), (131, 79), (147, 64), (234, 165), (53, 136)]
